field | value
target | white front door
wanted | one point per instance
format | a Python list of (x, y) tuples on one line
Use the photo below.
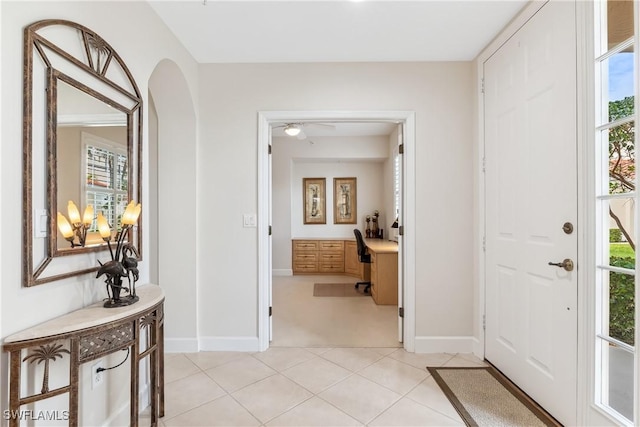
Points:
[(531, 192)]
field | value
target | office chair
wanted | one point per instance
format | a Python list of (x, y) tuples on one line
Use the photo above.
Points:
[(365, 257)]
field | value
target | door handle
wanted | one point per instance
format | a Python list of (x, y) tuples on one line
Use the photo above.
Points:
[(567, 264)]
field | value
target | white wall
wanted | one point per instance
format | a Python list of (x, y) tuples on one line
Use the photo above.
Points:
[(322, 157), (231, 95), (369, 196), (142, 41)]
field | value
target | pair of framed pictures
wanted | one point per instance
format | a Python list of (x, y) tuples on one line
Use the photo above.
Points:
[(344, 201)]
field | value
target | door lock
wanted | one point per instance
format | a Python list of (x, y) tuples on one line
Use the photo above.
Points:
[(567, 227), (567, 264)]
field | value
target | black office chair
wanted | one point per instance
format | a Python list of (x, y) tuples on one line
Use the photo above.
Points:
[(364, 257)]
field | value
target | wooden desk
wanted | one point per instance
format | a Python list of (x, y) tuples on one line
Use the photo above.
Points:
[(384, 271), (88, 334)]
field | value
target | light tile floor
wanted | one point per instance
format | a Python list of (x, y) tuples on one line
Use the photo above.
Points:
[(308, 387), (332, 362)]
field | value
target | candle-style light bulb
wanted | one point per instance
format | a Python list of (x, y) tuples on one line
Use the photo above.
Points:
[(136, 213), (127, 216), (103, 227), (64, 226), (74, 214), (87, 218)]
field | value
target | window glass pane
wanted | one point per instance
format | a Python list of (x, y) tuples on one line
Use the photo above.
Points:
[(100, 167), (622, 231), (621, 306), (102, 203), (619, 69), (122, 180), (622, 168), (619, 21), (617, 365)]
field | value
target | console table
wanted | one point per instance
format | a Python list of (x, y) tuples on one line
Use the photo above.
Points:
[(88, 334)]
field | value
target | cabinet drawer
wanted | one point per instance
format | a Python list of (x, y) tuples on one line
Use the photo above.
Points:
[(332, 245), (331, 257), (331, 267), (305, 267), (305, 245), (305, 257)]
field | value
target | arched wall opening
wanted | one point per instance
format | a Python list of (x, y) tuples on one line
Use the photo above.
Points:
[(172, 197)]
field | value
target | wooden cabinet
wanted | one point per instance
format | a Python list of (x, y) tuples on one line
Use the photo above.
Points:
[(352, 264), (305, 256), (318, 256), (384, 271), (331, 256), (341, 256)]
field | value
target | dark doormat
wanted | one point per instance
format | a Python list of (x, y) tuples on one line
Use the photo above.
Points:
[(337, 290), (485, 397)]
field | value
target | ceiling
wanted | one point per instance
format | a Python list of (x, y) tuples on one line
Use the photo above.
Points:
[(239, 31), (266, 31)]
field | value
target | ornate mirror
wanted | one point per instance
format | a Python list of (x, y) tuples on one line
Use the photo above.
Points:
[(82, 143)]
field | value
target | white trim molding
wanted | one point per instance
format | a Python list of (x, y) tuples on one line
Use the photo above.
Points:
[(229, 344), (282, 272), (460, 344), (180, 345)]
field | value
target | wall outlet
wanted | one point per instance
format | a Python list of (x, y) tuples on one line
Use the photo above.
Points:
[(97, 377)]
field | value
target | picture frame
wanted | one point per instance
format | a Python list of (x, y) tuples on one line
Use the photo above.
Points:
[(314, 200), (345, 201)]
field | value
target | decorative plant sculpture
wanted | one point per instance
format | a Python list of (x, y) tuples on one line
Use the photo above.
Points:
[(124, 261)]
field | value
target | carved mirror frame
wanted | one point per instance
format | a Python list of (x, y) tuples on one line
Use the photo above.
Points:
[(60, 50)]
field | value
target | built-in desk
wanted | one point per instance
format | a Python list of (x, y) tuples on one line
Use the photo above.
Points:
[(88, 334), (384, 271), (340, 256)]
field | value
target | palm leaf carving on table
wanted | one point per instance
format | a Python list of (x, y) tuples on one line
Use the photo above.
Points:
[(46, 353)]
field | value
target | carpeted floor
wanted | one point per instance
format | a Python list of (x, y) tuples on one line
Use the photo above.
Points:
[(484, 397), (338, 290)]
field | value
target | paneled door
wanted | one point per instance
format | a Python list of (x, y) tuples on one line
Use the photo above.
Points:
[(531, 209)]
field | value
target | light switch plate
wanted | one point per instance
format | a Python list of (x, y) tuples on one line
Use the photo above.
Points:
[(249, 220), (40, 218)]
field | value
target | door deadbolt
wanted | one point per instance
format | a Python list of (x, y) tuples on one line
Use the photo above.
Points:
[(567, 227), (567, 264)]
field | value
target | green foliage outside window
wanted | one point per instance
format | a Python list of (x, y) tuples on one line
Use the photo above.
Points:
[(622, 301)]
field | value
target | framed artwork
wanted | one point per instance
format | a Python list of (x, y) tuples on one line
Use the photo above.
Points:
[(314, 200), (345, 201)]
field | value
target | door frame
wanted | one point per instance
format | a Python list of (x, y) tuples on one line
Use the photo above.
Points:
[(265, 119)]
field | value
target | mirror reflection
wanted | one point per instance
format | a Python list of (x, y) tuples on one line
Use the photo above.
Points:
[(92, 163), (82, 143)]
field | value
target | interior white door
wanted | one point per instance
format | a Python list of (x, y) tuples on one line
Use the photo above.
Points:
[(399, 176), (270, 236), (531, 192)]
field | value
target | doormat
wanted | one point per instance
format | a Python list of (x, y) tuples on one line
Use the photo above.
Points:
[(485, 397), (338, 290)]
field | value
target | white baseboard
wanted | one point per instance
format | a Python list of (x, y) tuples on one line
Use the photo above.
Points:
[(229, 344), (478, 348), (445, 344), (282, 272), (180, 345)]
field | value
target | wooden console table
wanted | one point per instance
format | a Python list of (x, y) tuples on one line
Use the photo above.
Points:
[(88, 334)]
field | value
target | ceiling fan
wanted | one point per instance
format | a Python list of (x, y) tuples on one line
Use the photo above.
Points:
[(297, 129)]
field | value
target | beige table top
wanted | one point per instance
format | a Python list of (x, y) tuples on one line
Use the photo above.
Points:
[(381, 246), (92, 315)]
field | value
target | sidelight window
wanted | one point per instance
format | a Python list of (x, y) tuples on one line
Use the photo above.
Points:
[(616, 207)]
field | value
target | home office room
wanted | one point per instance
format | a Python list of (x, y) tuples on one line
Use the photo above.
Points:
[(328, 180)]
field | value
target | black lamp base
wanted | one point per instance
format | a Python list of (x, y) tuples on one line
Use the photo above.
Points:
[(122, 302)]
